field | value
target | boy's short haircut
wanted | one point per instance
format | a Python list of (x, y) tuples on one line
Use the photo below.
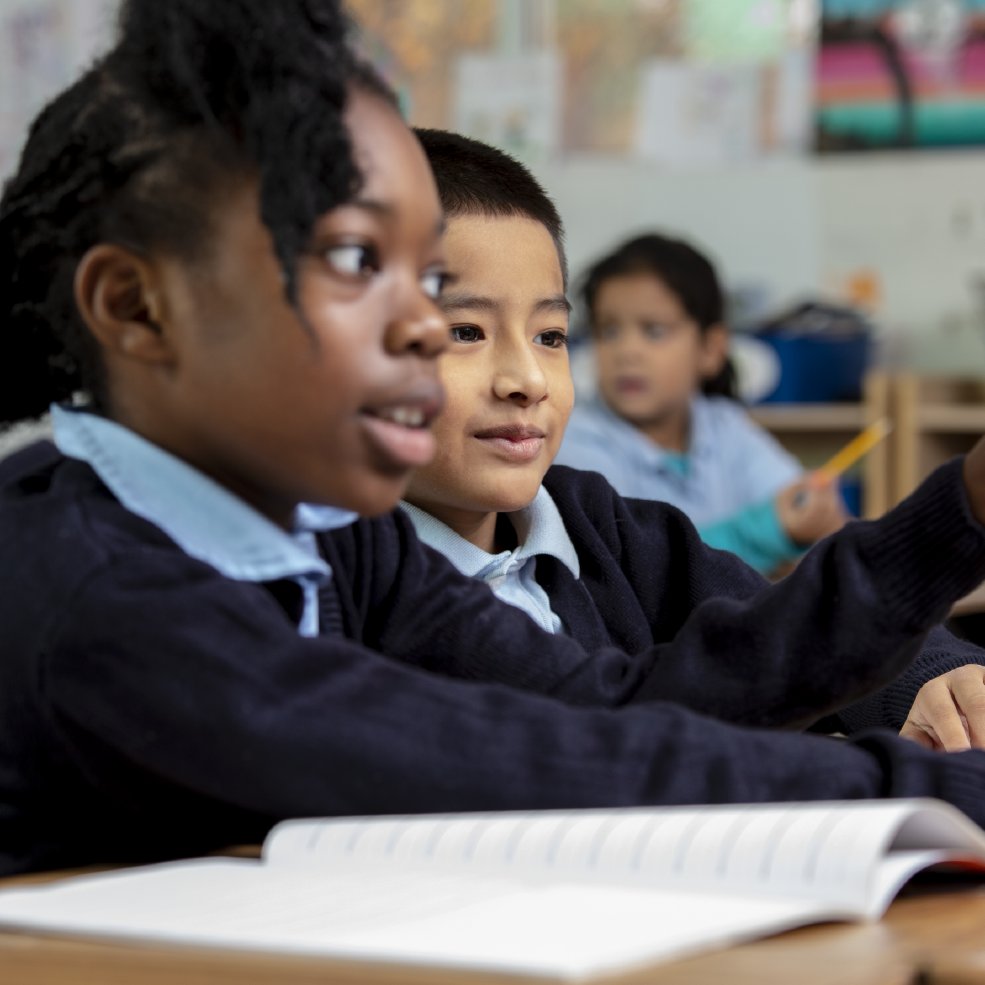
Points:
[(474, 178)]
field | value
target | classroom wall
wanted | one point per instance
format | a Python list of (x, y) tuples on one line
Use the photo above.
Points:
[(43, 45), (786, 229), (780, 229)]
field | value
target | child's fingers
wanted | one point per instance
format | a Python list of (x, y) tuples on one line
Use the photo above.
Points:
[(936, 711), (968, 690), (818, 480), (919, 734)]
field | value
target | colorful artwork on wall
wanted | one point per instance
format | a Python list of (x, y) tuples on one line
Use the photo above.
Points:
[(903, 74)]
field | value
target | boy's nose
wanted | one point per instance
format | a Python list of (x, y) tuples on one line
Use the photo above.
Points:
[(522, 382)]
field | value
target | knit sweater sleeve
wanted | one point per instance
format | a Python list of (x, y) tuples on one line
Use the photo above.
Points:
[(850, 618), (165, 684)]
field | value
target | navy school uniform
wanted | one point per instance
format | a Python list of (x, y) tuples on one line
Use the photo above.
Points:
[(606, 570), (152, 706)]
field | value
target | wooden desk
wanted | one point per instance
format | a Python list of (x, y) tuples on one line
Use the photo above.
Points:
[(943, 931)]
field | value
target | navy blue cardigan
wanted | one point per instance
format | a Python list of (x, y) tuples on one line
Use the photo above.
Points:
[(150, 707), (641, 576)]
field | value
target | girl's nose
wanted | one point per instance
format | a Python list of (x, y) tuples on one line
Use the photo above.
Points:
[(421, 330)]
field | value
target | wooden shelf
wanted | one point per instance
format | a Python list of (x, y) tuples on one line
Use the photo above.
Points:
[(810, 417), (948, 417)]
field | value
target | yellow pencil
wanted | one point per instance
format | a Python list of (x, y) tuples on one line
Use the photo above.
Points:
[(860, 445)]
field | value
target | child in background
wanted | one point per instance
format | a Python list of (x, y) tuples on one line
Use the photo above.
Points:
[(664, 424), (558, 544), (219, 258)]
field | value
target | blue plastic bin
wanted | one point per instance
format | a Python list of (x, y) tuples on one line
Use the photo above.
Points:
[(818, 367)]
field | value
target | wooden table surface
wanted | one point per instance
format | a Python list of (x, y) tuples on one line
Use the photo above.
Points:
[(931, 936)]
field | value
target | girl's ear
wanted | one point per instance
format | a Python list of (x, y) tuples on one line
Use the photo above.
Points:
[(117, 296), (714, 350)]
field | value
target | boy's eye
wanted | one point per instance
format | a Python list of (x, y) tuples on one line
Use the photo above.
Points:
[(466, 333), (554, 338), (353, 259), (433, 283)]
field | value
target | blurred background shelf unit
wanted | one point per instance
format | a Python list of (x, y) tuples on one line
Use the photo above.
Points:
[(937, 417), (814, 432)]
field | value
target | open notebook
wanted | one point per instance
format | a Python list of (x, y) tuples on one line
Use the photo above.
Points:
[(561, 895)]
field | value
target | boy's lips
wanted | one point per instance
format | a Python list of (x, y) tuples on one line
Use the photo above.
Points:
[(517, 443), (400, 430)]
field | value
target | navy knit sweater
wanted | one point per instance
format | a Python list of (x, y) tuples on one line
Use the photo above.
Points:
[(642, 575), (150, 707)]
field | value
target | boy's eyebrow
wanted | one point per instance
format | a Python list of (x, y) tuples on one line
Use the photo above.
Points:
[(455, 301), (556, 302)]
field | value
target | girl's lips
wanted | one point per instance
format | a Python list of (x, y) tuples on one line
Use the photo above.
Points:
[(401, 431), (405, 447), (631, 385)]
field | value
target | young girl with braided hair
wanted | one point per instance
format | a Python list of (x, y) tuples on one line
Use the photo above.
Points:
[(219, 259)]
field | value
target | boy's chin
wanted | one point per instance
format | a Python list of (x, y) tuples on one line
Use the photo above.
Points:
[(511, 500)]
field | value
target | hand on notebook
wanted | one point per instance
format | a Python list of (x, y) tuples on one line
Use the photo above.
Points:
[(948, 713), (810, 509)]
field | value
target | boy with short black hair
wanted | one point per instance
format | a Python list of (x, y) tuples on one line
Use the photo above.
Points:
[(561, 544)]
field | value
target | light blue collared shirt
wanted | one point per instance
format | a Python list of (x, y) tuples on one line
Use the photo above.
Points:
[(726, 482), (510, 574), (206, 520)]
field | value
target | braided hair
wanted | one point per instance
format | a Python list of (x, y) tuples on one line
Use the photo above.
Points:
[(194, 94)]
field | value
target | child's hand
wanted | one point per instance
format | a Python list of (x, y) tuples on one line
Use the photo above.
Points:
[(809, 510), (948, 713)]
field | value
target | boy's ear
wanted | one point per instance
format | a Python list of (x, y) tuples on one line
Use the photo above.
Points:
[(714, 350), (117, 295)]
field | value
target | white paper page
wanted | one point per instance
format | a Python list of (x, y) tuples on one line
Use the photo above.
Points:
[(823, 851), (375, 913)]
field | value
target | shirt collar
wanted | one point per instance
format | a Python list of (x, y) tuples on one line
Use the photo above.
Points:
[(203, 518), (539, 529)]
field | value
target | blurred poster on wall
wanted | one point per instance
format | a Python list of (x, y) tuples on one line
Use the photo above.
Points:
[(43, 45), (900, 74), (511, 101), (738, 88), (695, 113)]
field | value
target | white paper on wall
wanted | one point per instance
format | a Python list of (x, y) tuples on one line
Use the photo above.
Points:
[(511, 101)]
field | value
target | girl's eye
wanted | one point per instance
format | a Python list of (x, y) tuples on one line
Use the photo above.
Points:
[(466, 333), (433, 283), (554, 338), (655, 331), (353, 259)]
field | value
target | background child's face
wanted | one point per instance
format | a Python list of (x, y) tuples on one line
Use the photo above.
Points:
[(506, 374), (650, 353), (333, 409)]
